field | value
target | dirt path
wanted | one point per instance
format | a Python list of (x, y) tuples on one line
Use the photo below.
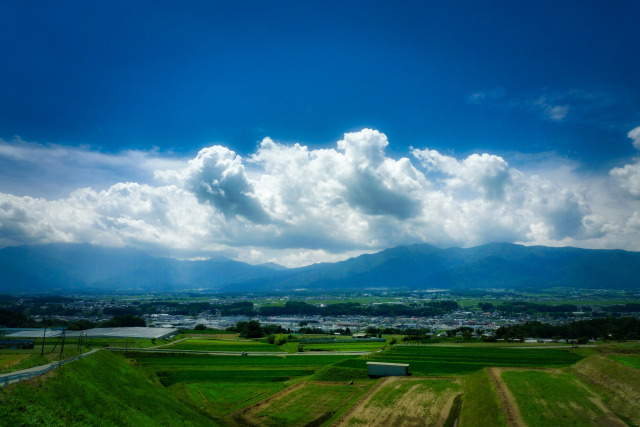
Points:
[(508, 404)]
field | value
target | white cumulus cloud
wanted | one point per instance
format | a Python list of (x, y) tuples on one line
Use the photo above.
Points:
[(628, 176), (292, 204)]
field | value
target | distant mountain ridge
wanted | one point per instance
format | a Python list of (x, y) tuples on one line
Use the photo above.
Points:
[(495, 265), (82, 267), (73, 267)]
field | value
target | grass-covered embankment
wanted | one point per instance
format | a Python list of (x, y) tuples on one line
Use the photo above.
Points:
[(618, 384), (102, 389)]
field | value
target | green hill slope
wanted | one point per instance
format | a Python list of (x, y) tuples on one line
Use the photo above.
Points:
[(102, 389)]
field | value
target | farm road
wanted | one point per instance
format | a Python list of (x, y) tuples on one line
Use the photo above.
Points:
[(510, 409)]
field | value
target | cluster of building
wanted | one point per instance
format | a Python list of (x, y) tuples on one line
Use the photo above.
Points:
[(99, 309)]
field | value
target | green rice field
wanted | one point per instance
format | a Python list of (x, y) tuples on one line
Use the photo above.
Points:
[(224, 345), (441, 360), (348, 346)]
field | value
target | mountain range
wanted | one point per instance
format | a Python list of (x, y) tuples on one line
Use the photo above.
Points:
[(85, 268)]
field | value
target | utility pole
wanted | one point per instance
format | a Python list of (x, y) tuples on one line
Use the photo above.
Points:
[(62, 345), (44, 335)]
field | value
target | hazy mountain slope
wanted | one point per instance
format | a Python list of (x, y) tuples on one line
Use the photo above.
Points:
[(23, 268), (498, 265), (66, 267), (63, 267)]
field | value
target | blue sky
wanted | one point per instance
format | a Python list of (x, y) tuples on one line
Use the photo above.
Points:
[(100, 94)]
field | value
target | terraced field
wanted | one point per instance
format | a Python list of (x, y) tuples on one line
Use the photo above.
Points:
[(466, 385), (222, 385)]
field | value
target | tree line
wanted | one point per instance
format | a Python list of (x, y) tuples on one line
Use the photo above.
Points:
[(609, 328), (433, 308)]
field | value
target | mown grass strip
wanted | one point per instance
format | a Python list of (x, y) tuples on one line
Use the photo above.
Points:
[(480, 406)]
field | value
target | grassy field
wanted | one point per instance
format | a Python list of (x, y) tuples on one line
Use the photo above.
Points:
[(224, 345), (553, 399), (441, 360), (406, 402), (8, 360), (222, 399), (480, 406), (309, 404)]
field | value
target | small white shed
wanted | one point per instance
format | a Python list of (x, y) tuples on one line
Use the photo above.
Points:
[(381, 369)]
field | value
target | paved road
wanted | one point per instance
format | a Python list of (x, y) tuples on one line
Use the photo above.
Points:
[(29, 373)]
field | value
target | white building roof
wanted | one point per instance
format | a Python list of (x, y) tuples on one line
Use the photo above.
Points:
[(387, 364)]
